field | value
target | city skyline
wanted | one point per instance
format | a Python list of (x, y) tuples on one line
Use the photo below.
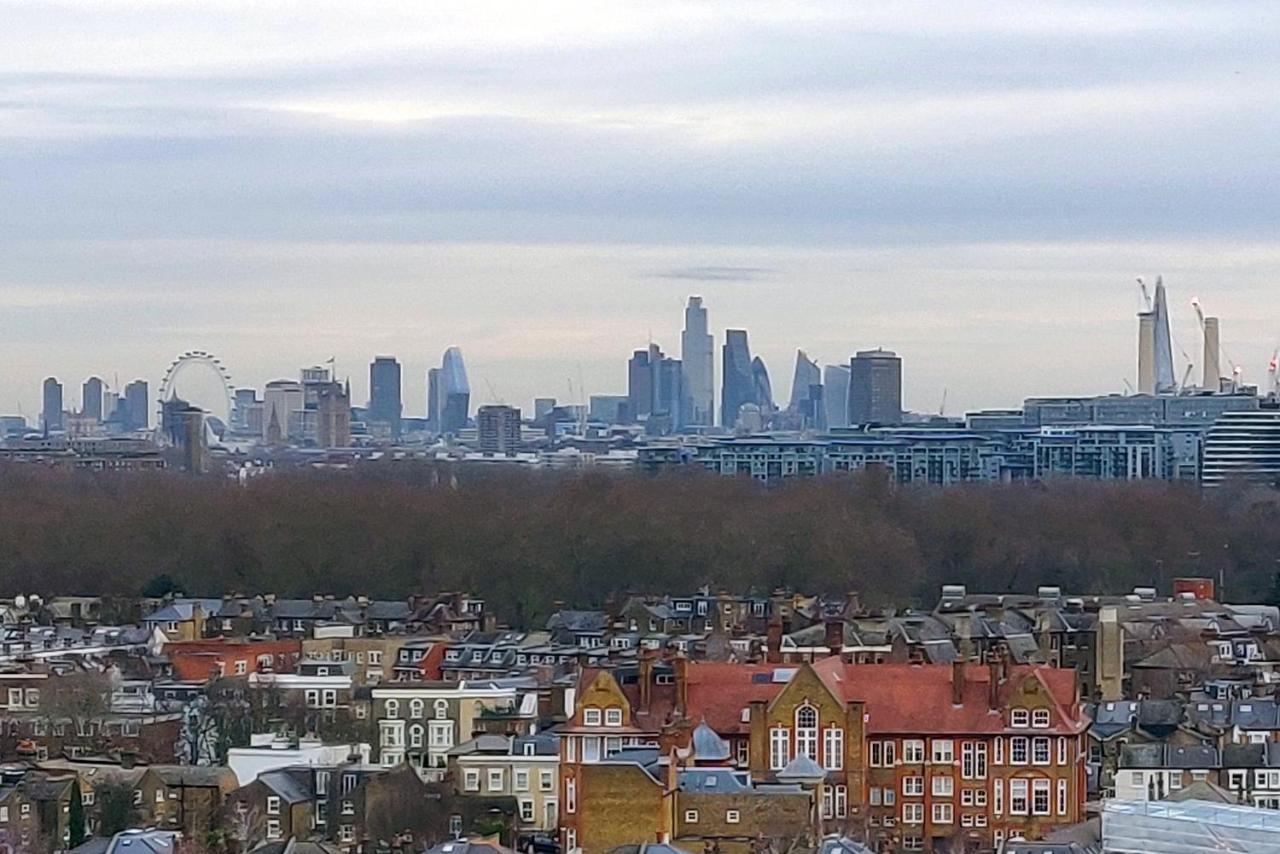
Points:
[(976, 191), (1130, 376)]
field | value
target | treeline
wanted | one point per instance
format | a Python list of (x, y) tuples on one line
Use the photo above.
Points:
[(526, 540)]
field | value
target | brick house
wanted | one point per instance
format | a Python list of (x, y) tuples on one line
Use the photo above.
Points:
[(916, 756)]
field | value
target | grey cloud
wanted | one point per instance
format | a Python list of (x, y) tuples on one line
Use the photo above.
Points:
[(715, 274)]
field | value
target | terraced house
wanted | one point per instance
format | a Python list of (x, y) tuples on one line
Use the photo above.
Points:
[(421, 722)]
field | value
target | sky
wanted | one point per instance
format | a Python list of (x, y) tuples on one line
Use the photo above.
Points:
[(975, 185)]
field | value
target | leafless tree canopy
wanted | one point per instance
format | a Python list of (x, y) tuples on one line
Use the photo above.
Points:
[(525, 540)]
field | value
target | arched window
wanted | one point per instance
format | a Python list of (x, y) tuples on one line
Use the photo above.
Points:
[(415, 708), (393, 708), (807, 731), (415, 735), (442, 709)]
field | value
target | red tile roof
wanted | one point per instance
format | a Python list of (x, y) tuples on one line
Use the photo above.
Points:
[(900, 698)]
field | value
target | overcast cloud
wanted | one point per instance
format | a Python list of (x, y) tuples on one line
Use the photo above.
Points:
[(973, 184)]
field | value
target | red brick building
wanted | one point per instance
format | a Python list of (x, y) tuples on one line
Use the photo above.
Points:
[(198, 661), (914, 754)]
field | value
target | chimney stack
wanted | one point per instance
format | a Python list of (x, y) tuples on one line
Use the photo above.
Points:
[(681, 664), (995, 676), (773, 639), (1212, 349), (957, 681), (645, 677), (835, 636)]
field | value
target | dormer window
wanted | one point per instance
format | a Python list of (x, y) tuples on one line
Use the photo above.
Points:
[(591, 716), (613, 717), (1040, 718), (1019, 718)]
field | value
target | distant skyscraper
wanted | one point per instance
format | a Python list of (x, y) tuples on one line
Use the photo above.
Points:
[(763, 388), (640, 381), (806, 393), (51, 411), (669, 397), (807, 374), (739, 385), (498, 428), (247, 416), (875, 388), (655, 390), (385, 404), (91, 394), (137, 404), (449, 394), (697, 353), (1155, 347), (835, 393)]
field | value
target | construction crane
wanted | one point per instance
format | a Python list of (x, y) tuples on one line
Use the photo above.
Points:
[(1146, 295), (493, 395)]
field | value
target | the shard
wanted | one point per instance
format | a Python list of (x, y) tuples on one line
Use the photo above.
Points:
[(1155, 347)]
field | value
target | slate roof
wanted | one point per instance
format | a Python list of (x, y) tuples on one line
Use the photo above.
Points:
[(578, 621), (709, 747), (1255, 714), (290, 787), (711, 780), (1169, 756)]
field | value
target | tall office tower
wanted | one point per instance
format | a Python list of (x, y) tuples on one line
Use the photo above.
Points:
[(697, 352), (449, 394), (835, 387), (875, 387), (385, 404), (137, 403), (247, 415), (738, 381), (499, 429), (640, 371), (91, 394), (670, 400), (763, 388), (1242, 446), (807, 374), (51, 410), (282, 404), (1212, 355), (1155, 347), (333, 416)]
